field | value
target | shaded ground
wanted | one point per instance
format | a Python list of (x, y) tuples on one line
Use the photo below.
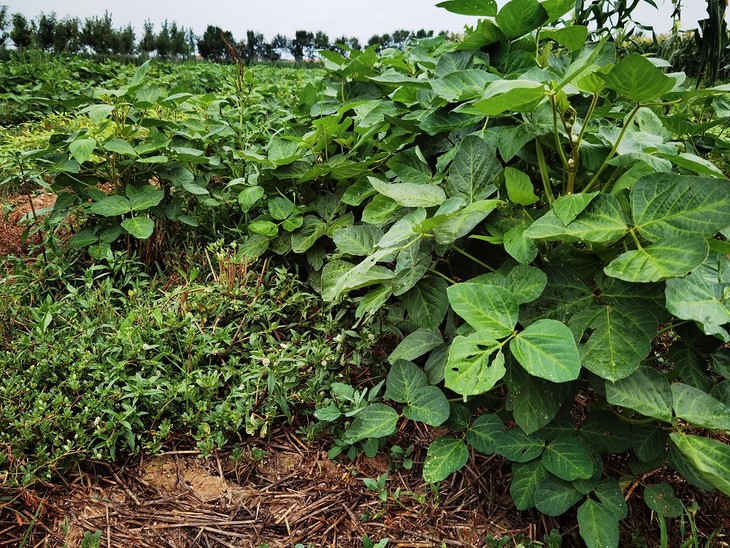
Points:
[(13, 211), (294, 494)]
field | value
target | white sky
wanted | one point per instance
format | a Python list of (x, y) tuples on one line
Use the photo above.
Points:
[(270, 17)]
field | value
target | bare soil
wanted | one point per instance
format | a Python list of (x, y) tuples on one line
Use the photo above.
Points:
[(20, 216)]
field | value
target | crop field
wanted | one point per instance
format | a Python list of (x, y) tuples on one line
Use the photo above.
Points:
[(473, 291)]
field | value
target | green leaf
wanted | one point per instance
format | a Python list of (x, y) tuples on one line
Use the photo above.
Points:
[(621, 337), (283, 151), (470, 369), (554, 497), (111, 206), (304, 238), (638, 79), (517, 446), (427, 302), (646, 391), (519, 187), (567, 208), (526, 283), (573, 37), (448, 228), (612, 498), (139, 227), (606, 433), (484, 432), (520, 17), (120, 146), (664, 259), (508, 96), (661, 499), (703, 294), (416, 344), (711, 457), (601, 222), (249, 196), (665, 205), (699, 408), (521, 249), (462, 85), (535, 402), (546, 349), (264, 228), (473, 170), (492, 311), (445, 455), (144, 198), (280, 208), (410, 194), (525, 480), (404, 379), (480, 8), (428, 405), (568, 458), (81, 149), (377, 420), (357, 240), (597, 525)]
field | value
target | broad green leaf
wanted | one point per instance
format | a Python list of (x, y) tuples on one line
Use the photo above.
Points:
[(483, 433), (377, 420), (517, 446), (416, 344), (699, 408), (703, 294), (535, 402), (428, 405), (473, 170), (546, 349), (526, 283), (519, 187), (450, 227), (638, 79), (459, 417), (462, 85), (111, 206), (521, 249), (568, 207), (573, 37), (597, 525), (264, 228), (645, 391), (525, 480), (520, 17), (721, 362), (139, 74), (606, 433), (661, 499), (98, 113), (283, 151), (711, 457), (554, 497), (445, 456), (508, 96), (472, 367), (612, 498), (312, 230), (492, 311), (373, 300), (427, 302), (557, 8), (690, 367), (601, 222), (682, 464), (620, 338), (120, 146), (81, 149), (410, 194), (144, 198), (480, 8), (668, 258), (139, 227), (194, 187), (252, 247), (248, 197), (357, 240), (280, 208), (404, 230), (409, 167), (665, 205), (568, 458), (650, 442)]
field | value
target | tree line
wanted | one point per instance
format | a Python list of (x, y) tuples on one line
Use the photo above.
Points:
[(98, 35)]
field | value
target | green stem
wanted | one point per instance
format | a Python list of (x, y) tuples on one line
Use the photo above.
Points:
[(473, 258), (444, 276), (544, 173), (576, 145), (561, 152), (627, 123)]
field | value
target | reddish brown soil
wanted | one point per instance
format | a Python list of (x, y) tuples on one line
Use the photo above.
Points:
[(18, 220)]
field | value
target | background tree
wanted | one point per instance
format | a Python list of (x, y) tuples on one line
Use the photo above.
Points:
[(179, 46), (252, 49), (212, 46), (303, 44), (21, 32), (45, 35), (3, 24), (280, 44), (147, 43), (98, 34), (67, 38), (321, 40), (124, 42), (163, 42)]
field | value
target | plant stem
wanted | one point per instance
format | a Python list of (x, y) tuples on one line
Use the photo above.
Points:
[(561, 152), (572, 174), (611, 154), (473, 258), (544, 173), (444, 276)]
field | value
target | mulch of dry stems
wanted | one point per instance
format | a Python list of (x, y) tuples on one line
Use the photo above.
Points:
[(295, 494)]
